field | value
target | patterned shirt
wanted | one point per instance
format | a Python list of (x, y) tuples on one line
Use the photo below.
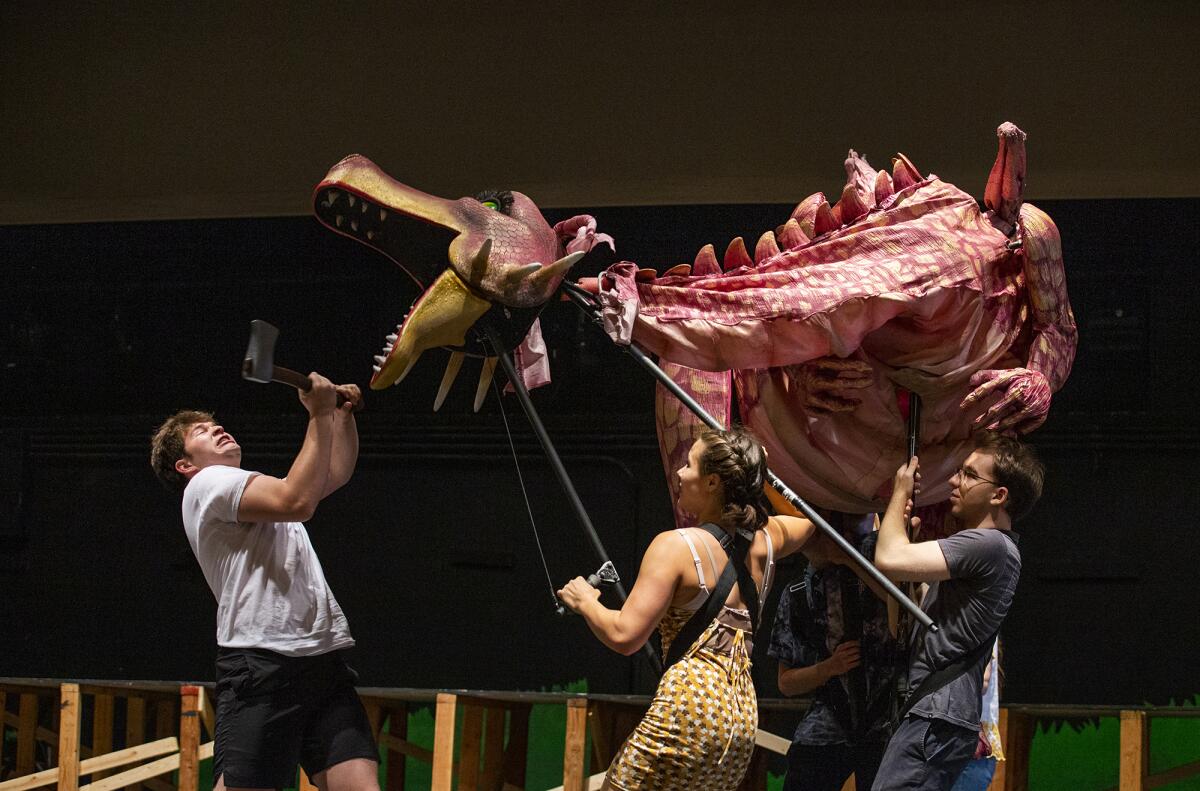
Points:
[(809, 625)]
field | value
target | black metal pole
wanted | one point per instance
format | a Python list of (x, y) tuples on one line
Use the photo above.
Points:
[(772, 478), (514, 377), (914, 423)]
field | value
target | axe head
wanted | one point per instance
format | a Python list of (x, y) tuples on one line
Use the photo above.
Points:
[(260, 352)]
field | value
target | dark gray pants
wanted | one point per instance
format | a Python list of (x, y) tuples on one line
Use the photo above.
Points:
[(925, 755)]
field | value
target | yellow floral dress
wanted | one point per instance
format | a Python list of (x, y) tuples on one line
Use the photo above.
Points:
[(698, 733)]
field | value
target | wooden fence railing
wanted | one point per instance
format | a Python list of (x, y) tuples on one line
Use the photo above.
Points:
[(480, 740)]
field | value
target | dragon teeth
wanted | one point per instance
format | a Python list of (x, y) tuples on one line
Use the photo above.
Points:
[(339, 220), (382, 215), (379, 358), (391, 338), (364, 207), (376, 368), (352, 198), (354, 225)]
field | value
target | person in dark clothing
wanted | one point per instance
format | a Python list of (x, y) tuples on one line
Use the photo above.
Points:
[(831, 639), (972, 577)]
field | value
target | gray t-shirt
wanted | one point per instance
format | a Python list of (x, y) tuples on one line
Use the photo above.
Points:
[(968, 608)]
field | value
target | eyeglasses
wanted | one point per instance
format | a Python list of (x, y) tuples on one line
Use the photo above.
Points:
[(964, 473)]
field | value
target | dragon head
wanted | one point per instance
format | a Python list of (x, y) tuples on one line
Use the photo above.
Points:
[(504, 261)]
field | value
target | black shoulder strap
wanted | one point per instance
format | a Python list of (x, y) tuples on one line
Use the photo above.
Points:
[(944, 675), (736, 550)]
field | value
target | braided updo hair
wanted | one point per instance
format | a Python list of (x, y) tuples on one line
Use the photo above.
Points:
[(737, 458)]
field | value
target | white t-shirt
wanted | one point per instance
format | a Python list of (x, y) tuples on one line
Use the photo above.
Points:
[(271, 592)]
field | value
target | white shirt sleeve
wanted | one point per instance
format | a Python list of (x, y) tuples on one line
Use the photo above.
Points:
[(215, 493)]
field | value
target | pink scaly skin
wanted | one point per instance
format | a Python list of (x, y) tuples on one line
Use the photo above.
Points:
[(905, 279)]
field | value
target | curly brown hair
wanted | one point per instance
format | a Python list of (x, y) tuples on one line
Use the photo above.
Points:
[(166, 446), (738, 460)]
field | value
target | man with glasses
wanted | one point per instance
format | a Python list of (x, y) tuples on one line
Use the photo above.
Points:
[(972, 575)]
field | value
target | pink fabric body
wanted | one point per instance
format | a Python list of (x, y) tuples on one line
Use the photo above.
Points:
[(923, 288)]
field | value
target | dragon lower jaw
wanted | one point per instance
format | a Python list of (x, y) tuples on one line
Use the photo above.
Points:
[(440, 317)]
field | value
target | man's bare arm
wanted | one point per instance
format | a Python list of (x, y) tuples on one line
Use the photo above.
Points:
[(344, 453), (295, 498), (895, 555)]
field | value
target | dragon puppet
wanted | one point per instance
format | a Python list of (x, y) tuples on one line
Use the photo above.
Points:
[(904, 285)]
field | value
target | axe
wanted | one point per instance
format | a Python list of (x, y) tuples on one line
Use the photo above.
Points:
[(259, 365)]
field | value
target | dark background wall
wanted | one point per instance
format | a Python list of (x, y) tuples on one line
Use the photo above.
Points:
[(107, 327), (178, 118)]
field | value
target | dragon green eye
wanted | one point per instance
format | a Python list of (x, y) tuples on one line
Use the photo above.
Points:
[(491, 204)]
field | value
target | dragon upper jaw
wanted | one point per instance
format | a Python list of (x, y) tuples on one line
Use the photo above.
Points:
[(494, 273)]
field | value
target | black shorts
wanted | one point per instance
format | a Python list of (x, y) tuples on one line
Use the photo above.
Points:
[(275, 712)]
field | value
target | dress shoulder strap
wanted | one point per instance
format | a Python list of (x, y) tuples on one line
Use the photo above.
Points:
[(696, 557), (769, 571)]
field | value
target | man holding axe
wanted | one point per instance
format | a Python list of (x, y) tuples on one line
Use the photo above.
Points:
[(285, 695)]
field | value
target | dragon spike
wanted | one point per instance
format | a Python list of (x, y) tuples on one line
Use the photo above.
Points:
[(904, 173), (852, 205), (736, 255), (824, 221), (455, 363), (791, 236), (679, 270), (766, 247), (883, 187), (706, 261), (545, 274), (805, 212), (479, 263), (858, 195), (516, 274), (485, 379)]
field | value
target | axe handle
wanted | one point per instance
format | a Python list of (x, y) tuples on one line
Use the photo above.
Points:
[(301, 382), (289, 377)]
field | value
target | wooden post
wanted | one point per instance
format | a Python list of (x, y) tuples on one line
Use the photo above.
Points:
[(135, 726), (189, 738), (1135, 751), (471, 748), (396, 760), (516, 752), (443, 742), (68, 738), (1016, 738), (26, 733), (102, 728), (164, 719), (575, 749), (493, 748)]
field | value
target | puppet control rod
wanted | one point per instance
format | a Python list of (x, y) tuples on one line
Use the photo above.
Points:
[(585, 301), (601, 576)]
